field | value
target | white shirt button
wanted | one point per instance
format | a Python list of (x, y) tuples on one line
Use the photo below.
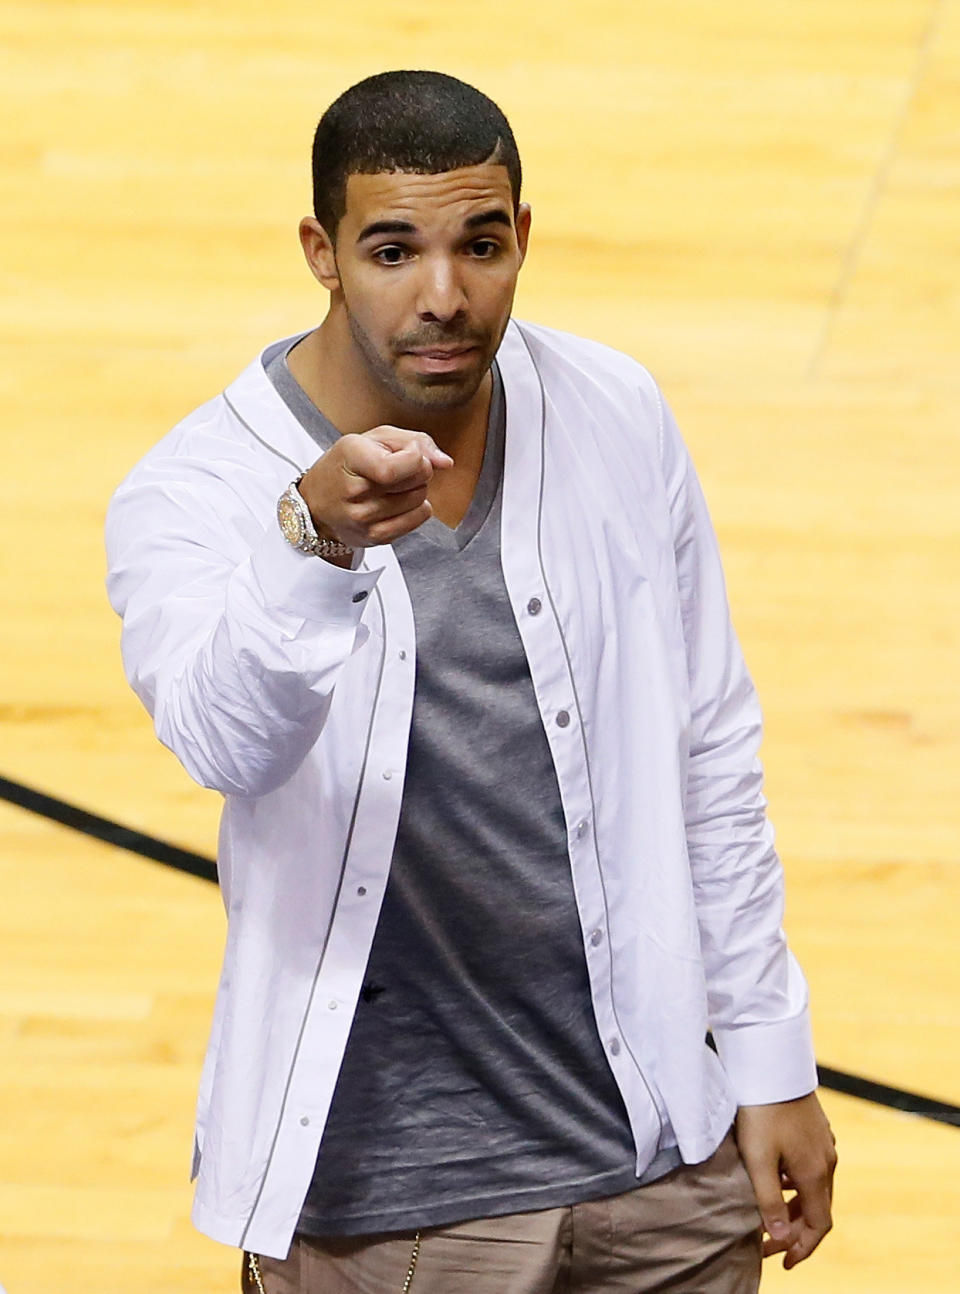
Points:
[(361, 890), (360, 597), (614, 1046), (581, 828), (563, 719), (403, 655), (596, 938), (332, 1006), (304, 1121), (387, 774), (534, 607)]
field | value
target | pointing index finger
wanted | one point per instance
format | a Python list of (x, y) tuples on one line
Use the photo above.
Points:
[(432, 451), (396, 471)]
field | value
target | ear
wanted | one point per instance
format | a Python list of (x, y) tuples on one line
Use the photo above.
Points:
[(318, 249), (522, 223)]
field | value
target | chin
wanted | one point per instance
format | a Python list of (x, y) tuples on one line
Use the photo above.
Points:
[(439, 391), (437, 398)]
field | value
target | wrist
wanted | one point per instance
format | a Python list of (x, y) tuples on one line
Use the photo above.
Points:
[(300, 529)]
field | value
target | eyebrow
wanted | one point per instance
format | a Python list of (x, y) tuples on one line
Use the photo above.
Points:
[(385, 227), (496, 216)]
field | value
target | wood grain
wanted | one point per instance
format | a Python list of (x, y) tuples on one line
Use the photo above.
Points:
[(760, 202)]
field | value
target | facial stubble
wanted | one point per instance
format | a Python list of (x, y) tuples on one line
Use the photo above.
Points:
[(427, 392)]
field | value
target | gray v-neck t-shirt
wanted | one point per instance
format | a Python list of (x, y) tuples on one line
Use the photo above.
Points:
[(474, 1082)]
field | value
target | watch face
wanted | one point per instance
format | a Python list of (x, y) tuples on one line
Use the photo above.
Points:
[(291, 522)]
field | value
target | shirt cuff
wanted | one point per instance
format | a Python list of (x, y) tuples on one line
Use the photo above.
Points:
[(306, 586), (767, 1063)]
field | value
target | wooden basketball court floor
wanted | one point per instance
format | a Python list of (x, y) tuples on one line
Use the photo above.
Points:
[(759, 200)]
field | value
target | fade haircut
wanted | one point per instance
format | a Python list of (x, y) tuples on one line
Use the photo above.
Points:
[(420, 122)]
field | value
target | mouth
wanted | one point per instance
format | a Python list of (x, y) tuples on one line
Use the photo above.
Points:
[(441, 359)]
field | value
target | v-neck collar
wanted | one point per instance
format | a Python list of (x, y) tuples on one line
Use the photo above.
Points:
[(488, 481)]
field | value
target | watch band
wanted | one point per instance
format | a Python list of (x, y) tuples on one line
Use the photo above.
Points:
[(296, 526)]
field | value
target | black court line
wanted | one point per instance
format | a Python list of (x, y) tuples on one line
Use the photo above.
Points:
[(137, 842), (893, 1097), (91, 824)]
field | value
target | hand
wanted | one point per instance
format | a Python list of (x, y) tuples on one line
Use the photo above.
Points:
[(789, 1147), (372, 488)]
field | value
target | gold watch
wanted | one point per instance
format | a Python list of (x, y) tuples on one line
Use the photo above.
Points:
[(297, 528)]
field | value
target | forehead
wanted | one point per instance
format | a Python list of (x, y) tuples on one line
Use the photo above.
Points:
[(427, 199)]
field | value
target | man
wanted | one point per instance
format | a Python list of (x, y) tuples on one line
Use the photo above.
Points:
[(494, 851)]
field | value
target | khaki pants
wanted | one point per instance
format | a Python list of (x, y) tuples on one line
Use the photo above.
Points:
[(694, 1231)]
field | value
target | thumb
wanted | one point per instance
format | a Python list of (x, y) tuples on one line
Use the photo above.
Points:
[(775, 1214), (765, 1177)]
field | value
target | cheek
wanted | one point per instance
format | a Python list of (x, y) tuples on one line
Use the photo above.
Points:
[(380, 307), (371, 317), (496, 289)]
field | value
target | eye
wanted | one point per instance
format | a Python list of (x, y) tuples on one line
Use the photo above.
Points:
[(392, 255), (484, 248)]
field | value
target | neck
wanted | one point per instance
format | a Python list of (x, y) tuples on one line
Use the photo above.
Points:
[(335, 376)]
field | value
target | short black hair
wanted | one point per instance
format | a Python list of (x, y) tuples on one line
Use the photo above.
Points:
[(420, 122)]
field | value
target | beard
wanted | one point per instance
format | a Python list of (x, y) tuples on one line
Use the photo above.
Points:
[(426, 392)]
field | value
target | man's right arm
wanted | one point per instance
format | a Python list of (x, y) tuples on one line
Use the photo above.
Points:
[(231, 638)]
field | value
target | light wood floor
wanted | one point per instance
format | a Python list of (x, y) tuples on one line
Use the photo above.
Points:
[(759, 200)]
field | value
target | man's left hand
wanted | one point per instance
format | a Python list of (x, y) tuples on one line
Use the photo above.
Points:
[(789, 1147)]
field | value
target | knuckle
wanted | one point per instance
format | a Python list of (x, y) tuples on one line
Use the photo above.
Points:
[(411, 485), (348, 447), (379, 471), (365, 512), (382, 532), (355, 473)]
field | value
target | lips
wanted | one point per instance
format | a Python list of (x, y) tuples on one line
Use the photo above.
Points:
[(440, 352), (441, 359)]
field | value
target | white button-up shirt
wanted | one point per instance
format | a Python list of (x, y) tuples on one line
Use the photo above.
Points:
[(276, 681)]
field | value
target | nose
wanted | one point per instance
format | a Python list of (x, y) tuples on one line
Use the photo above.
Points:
[(441, 295)]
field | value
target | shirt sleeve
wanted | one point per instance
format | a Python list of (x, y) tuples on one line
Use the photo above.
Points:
[(757, 995), (232, 639)]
